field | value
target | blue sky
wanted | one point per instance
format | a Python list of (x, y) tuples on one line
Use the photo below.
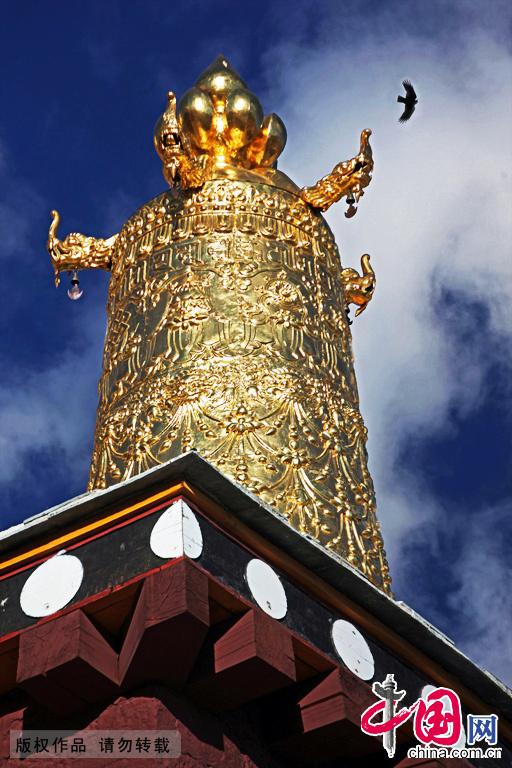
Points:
[(82, 87)]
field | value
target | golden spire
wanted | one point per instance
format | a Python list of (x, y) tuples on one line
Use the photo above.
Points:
[(227, 327)]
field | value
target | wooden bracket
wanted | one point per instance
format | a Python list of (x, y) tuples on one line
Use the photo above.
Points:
[(66, 663)]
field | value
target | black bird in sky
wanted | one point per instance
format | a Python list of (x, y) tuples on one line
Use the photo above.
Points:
[(409, 100)]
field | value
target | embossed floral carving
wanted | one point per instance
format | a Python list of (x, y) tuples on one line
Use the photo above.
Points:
[(228, 334)]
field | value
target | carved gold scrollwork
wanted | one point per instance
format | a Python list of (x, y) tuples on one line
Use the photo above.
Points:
[(348, 178), (78, 251), (359, 288), (241, 350), (227, 328)]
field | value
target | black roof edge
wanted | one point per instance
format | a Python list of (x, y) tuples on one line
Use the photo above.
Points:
[(265, 520)]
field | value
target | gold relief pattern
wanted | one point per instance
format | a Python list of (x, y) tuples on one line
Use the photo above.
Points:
[(227, 334), (227, 326), (347, 179), (219, 122), (78, 251), (358, 288)]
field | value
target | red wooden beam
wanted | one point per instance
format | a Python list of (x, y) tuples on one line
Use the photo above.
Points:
[(339, 696), (167, 628), (66, 663), (252, 658), (327, 724)]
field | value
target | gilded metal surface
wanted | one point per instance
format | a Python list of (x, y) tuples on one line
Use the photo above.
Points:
[(227, 329), (179, 165), (358, 288), (219, 123), (346, 179), (78, 251)]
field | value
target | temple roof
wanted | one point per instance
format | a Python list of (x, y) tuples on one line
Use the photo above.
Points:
[(252, 522)]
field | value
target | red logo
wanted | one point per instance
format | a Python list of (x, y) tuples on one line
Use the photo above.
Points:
[(437, 720)]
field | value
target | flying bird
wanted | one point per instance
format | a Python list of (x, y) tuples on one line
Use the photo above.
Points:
[(409, 100)]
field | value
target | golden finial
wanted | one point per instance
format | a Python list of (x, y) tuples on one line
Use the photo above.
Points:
[(219, 122), (228, 329)]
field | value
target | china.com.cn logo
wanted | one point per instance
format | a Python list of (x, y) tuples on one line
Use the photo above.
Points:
[(437, 718)]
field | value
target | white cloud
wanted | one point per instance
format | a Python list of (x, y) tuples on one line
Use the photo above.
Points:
[(21, 209), (469, 569), (43, 410), (436, 219), (483, 598), (53, 409)]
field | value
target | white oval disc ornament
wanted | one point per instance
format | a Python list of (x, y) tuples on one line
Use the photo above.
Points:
[(353, 649), (266, 589), (51, 586), (177, 533)]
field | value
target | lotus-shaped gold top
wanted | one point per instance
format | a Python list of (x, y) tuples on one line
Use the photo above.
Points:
[(219, 122)]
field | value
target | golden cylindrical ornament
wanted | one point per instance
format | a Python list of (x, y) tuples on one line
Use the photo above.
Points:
[(227, 334), (227, 322)]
